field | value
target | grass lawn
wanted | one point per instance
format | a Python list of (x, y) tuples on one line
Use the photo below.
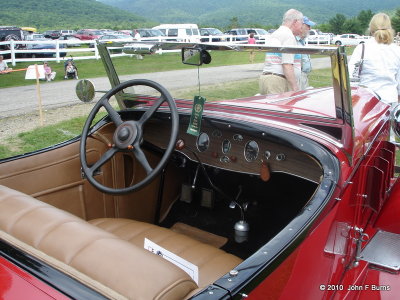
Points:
[(43, 137)]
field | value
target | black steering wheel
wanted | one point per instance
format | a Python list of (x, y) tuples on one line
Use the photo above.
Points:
[(129, 135)]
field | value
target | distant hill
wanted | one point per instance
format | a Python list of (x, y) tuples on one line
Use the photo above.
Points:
[(264, 12), (65, 14)]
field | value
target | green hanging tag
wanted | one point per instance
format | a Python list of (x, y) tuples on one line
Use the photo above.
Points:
[(195, 119)]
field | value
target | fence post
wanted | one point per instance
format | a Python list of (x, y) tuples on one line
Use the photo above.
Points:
[(96, 51), (12, 49), (57, 51)]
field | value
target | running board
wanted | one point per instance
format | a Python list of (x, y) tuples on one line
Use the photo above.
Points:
[(383, 251)]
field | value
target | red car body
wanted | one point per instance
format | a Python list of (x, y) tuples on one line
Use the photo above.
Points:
[(340, 244), (88, 34)]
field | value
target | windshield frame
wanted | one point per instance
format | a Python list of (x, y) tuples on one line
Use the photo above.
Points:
[(340, 77)]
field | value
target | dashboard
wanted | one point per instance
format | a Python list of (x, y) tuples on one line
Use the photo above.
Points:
[(230, 149)]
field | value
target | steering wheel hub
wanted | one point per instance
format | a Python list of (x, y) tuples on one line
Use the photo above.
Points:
[(125, 135)]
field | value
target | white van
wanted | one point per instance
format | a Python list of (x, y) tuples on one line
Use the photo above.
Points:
[(180, 32)]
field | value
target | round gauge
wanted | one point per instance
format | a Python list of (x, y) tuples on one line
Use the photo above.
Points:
[(251, 151), (238, 137), (224, 159), (217, 133), (226, 146), (203, 141)]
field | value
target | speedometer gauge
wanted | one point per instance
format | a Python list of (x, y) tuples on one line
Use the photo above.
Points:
[(251, 151), (226, 146), (203, 141)]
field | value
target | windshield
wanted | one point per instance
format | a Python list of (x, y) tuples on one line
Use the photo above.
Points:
[(261, 31), (156, 32), (211, 31), (234, 77), (122, 36)]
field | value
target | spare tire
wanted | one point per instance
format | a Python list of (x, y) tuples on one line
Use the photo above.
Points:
[(13, 37)]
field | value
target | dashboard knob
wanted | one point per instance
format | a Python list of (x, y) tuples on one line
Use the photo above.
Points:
[(280, 157), (180, 144)]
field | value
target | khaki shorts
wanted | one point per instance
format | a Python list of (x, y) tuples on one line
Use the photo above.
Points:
[(272, 84)]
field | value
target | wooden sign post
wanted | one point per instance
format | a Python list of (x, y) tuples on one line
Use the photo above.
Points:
[(37, 72)]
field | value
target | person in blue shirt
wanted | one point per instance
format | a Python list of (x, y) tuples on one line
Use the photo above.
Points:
[(305, 58)]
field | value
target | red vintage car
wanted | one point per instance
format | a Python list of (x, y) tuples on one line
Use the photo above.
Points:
[(288, 196)]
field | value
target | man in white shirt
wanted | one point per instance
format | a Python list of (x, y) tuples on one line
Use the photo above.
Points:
[(281, 70)]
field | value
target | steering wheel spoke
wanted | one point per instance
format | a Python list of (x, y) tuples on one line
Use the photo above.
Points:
[(147, 115), (103, 159), (115, 117), (141, 157)]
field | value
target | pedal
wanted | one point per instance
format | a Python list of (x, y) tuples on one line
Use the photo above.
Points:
[(207, 198), (186, 193)]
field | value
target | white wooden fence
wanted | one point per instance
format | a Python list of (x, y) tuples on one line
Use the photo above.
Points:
[(17, 50)]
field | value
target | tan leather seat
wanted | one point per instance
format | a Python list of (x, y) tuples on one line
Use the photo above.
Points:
[(211, 261), (111, 253), (87, 252)]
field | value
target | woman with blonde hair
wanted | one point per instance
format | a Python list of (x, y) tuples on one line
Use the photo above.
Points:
[(379, 60)]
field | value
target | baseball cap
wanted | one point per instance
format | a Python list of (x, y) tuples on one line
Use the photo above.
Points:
[(308, 22)]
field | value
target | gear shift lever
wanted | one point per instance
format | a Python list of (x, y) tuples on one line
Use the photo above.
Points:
[(241, 227)]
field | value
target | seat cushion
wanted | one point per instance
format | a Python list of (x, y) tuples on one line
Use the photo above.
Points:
[(211, 261)]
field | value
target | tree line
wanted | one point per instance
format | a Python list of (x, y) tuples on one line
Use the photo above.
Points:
[(359, 24), (338, 24)]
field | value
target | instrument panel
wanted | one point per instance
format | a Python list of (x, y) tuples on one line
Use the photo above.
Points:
[(235, 151)]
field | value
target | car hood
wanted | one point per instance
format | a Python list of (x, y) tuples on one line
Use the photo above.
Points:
[(311, 103)]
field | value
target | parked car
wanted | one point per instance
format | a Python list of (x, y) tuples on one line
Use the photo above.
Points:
[(88, 34), (72, 41), (281, 196), (67, 32), (180, 32), (317, 37), (121, 38), (150, 34), (211, 35), (52, 34), (41, 47), (126, 31), (36, 37), (242, 34), (348, 39)]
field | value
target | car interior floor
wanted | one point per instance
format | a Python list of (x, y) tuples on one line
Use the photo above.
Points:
[(267, 206)]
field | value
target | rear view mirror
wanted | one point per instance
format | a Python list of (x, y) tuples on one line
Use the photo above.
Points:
[(195, 56), (85, 90)]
